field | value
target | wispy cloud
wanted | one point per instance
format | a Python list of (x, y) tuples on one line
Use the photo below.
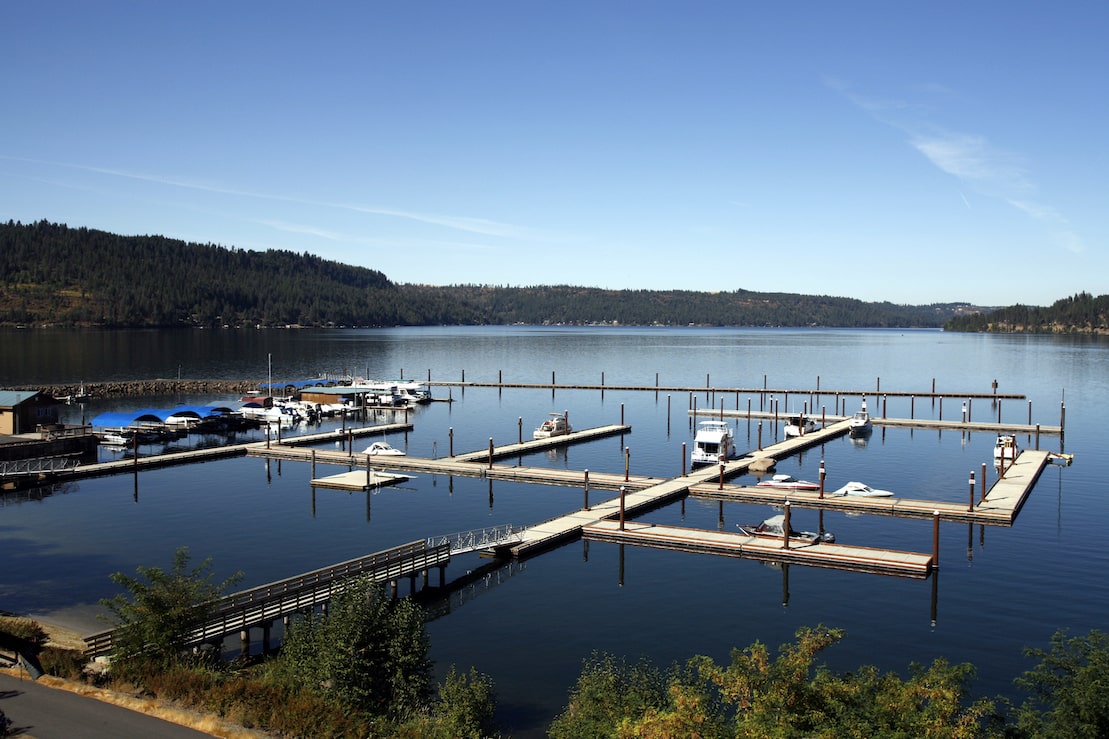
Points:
[(968, 157), (469, 224)]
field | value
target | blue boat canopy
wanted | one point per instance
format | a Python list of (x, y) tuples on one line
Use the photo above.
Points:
[(116, 419)]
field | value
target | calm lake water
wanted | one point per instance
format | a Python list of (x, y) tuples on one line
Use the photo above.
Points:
[(997, 591)]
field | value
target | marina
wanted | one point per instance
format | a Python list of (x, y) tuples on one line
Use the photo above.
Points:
[(62, 539)]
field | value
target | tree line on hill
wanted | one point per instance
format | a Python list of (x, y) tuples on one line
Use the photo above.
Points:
[(1081, 313), (80, 277)]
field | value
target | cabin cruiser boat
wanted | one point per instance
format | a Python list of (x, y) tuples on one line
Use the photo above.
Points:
[(799, 426), (1006, 448), (383, 449), (556, 425), (788, 482), (860, 490), (713, 443), (860, 423), (774, 528)]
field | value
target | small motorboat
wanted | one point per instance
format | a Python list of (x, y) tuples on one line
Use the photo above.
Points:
[(788, 482), (799, 426), (556, 425), (1006, 448), (860, 490), (712, 443), (774, 527), (383, 449), (860, 423)]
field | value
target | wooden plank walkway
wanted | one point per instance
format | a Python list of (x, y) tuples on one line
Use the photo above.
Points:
[(708, 389), (999, 507), (729, 544), (554, 531), (265, 603), (921, 423), (154, 461)]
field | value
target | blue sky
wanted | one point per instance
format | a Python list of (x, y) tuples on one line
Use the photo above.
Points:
[(909, 152)]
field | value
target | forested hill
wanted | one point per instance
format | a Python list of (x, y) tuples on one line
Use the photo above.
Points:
[(1082, 313), (56, 275)]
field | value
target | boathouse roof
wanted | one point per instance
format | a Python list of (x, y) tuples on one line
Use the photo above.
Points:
[(12, 398)]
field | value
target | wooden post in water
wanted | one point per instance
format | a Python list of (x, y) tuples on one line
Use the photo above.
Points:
[(721, 485), (785, 528), (760, 436), (314, 463), (369, 473), (490, 452), (935, 539), (970, 503), (983, 482), (969, 401), (450, 441), (621, 414), (627, 462), (621, 507), (748, 408), (1030, 413), (683, 459), (823, 474), (941, 406), (912, 407), (586, 507), (884, 406), (519, 429)]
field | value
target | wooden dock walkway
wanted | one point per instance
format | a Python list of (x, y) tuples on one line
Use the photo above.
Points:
[(920, 423), (261, 605), (999, 507), (154, 461), (738, 544)]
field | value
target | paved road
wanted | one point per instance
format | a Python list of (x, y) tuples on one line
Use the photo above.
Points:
[(47, 713)]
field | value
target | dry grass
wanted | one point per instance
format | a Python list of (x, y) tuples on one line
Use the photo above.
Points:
[(211, 725)]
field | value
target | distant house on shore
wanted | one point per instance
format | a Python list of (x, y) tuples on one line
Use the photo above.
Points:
[(24, 411)]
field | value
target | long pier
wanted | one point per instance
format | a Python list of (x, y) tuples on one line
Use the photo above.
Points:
[(262, 605)]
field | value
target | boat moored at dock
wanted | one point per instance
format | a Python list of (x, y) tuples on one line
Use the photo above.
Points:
[(713, 443)]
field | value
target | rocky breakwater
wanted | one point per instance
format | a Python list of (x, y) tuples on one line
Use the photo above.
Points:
[(126, 388)]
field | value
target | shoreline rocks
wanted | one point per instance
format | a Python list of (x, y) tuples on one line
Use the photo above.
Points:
[(126, 388)]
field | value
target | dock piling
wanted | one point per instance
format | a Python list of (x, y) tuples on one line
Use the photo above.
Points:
[(935, 539), (970, 502)]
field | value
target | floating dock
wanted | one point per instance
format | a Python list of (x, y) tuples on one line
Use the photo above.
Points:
[(702, 541), (999, 506), (358, 480)]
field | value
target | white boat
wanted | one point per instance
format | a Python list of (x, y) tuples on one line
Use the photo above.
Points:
[(799, 426), (788, 482), (860, 490), (774, 528), (383, 449), (713, 443), (556, 425), (115, 438), (394, 392), (1006, 448), (860, 423)]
